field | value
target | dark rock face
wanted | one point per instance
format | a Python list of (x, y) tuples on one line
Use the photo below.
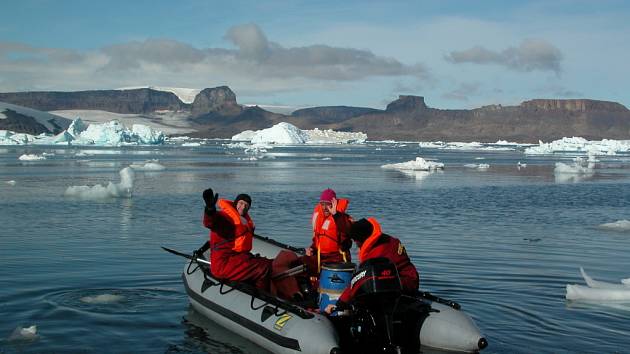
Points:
[(220, 100), (406, 104), (528, 122), (136, 101), (20, 123), (331, 114)]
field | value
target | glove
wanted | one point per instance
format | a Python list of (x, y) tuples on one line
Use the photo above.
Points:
[(210, 198)]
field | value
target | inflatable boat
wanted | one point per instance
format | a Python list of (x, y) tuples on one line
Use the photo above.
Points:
[(282, 326)]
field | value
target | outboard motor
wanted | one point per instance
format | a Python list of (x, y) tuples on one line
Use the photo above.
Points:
[(376, 288)]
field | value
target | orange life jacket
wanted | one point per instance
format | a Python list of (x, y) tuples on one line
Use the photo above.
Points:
[(367, 244), (325, 229), (243, 226)]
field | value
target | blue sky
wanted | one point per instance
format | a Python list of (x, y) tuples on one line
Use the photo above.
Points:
[(457, 54)]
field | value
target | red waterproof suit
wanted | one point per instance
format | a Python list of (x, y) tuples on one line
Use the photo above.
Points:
[(330, 237), (378, 245), (229, 261)]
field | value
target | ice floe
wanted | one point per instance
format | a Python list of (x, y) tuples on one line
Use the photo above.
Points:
[(24, 334), (580, 145), (31, 157), (11, 182), (123, 189), (619, 225), (598, 290), (151, 165), (481, 166), (419, 164)]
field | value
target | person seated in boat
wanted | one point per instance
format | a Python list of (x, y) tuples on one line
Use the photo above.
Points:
[(330, 224), (231, 235), (373, 243)]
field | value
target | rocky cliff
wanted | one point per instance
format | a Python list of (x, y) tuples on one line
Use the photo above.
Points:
[(215, 113)]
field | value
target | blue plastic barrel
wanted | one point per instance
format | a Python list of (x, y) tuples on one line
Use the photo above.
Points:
[(333, 280)]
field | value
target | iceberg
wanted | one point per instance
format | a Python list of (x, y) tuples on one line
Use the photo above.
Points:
[(419, 164), (112, 133), (288, 134), (112, 190)]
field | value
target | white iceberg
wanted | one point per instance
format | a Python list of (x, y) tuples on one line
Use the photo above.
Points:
[(580, 145), (112, 133), (31, 157), (619, 225), (419, 164), (598, 290), (112, 190), (289, 134)]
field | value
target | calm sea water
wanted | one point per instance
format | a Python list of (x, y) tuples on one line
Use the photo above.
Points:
[(503, 242)]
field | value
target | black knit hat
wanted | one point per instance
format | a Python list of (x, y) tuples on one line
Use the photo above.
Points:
[(360, 230), (244, 197)]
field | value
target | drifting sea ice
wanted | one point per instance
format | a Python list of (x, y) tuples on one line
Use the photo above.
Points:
[(619, 225), (150, 165), (419, 164), (24, 334), (31, 157), (580, 145), (112, 190), (598, 290)]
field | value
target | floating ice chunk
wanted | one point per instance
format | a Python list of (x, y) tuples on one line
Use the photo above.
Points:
[(102, 299), (575, 168), (330, 136), (581, 145), (31, 157), (191, 144), (24, 334), (113, 190), (481, 166), (151, 165), (11, 182), (625, 281), (521, 165), (601, 284), (419, 164), (597, 290), (580, 292), (619, 225)]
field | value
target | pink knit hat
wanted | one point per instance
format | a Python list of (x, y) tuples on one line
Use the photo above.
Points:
[(327, 195)]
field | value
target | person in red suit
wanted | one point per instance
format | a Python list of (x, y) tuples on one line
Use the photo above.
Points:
[(373, 243), (330, 224), (231, 235)]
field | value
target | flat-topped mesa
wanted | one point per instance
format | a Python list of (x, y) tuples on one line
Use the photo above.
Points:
[(220, 100), (574, 105), (407, 103), (132, 101)]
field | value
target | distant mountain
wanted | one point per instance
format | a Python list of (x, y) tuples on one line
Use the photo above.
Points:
[(26, 120), (215, 113)]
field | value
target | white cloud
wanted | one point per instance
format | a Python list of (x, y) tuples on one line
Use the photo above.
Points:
[(530, 55), (168, 62)]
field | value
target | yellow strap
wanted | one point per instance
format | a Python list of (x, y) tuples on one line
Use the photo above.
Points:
[(343, 254), (319, 266)]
